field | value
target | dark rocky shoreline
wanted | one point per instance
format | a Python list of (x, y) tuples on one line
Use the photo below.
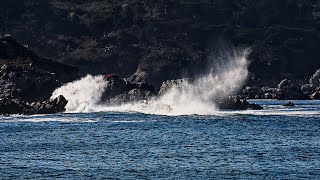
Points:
[(286, 90), (27, 82), (152, 42), (17, 106)]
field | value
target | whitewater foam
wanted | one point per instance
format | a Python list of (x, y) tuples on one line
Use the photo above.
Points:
[(186, 98), (83, 95)]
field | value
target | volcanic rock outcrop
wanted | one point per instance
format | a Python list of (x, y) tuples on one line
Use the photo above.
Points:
[(27, 78), (120, 91), (18, 106)]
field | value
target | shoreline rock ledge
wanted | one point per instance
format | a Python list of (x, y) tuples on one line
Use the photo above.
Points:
[(27, 80), (16, 106)]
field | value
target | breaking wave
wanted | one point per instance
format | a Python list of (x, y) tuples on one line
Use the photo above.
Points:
[(197, 97), (83, 95)]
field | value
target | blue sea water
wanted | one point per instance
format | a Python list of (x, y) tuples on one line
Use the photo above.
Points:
[(274, 143)]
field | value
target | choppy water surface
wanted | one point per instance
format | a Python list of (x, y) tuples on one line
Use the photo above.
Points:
[(276, 142)]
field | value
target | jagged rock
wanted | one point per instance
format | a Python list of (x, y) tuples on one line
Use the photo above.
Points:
[(139, 76), (132, 96), (28, 77), (121, 91), (57, 104), (284, 90), (27, 80), (237, 104), (292, 93), (15, 106)]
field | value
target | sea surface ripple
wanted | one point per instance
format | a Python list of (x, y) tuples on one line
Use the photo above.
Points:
[(275, 143)]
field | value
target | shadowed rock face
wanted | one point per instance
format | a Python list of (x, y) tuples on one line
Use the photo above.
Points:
[(170, 39), (17, 106), (27, 80), (27, 77), (287, 90), (120, 91)]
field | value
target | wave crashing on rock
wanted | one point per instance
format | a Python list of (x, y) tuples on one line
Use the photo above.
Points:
[(176, 97)]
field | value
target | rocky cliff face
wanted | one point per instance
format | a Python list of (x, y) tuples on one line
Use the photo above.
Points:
[(161, 40), (28, 77)]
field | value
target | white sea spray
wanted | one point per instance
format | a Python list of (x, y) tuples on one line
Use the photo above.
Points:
[(197, 97)]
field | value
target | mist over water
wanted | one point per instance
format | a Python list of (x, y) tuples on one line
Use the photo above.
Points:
[(225, 77)]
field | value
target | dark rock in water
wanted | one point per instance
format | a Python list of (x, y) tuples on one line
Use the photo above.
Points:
[(290, 91), (27, 80), (133, 95), (237, 104), (15, 106), (293, 93), (121, 91), (285, 91), (254, 107), (291, 104), (55, 105)]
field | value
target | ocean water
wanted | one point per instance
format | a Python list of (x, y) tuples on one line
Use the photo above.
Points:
[(275, 143)]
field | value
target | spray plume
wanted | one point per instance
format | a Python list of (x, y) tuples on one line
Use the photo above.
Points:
[(197, 97)]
